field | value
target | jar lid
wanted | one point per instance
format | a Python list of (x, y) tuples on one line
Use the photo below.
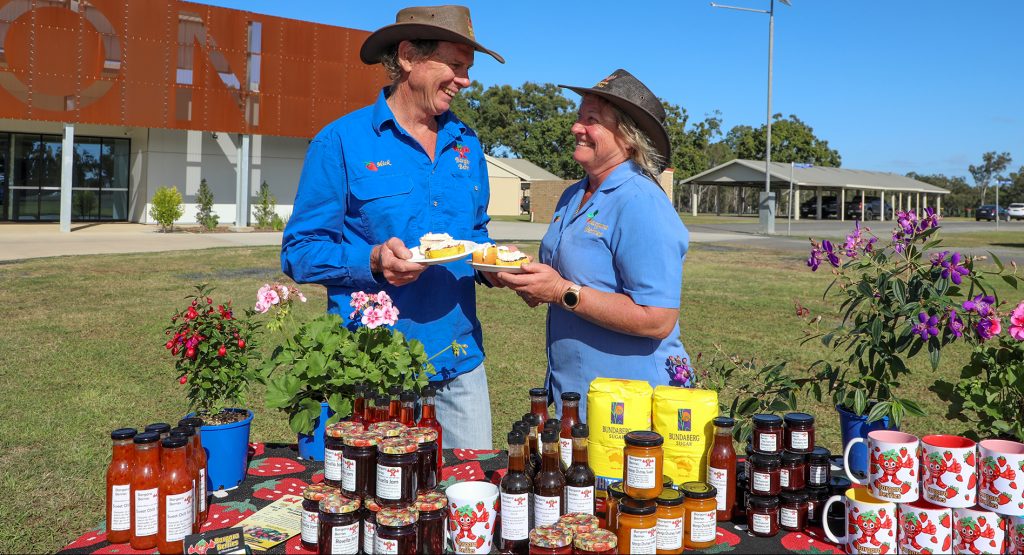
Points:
[(839, 485), (615, 490), (670, 497), (388, 429), (174, 442), (372, 504), (817, 492), (698, 490), (580, 431), (430, 501), (550, 537), (819, 455), (147, 437), (794, 496), (316, 492), (666, 481), (397, 446), (798, 419), (552, 424), (342, 429), (549, 436), (723, 421), (428, 391), (397, 516), (395, 390), (193, 421), (789, 457), (578, 523), (516, 437), (532, 419), (159, 427), (408, 397), (183, 431), (336, 503), (768, 420), (765, 461), (632, 506), (123, 433), (749, 449), (421, 434), (362, 439), (762, 502), (570, 396), (539, 392), (596, 541), (643, 438)]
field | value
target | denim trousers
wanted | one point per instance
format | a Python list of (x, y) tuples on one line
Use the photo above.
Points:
[(463, 407)]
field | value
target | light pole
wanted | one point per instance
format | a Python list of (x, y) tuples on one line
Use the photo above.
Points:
[(766, 211)]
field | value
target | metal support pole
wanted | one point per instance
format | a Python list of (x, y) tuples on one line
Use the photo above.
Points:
[(817, 194), (67, 161), (842, 205), (863, 206), (789, 221), (242, 190)]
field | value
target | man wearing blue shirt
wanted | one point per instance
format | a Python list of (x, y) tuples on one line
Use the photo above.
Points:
[(381, 177)]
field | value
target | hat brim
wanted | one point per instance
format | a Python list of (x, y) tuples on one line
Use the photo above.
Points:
[(649, 124), (377, 44)]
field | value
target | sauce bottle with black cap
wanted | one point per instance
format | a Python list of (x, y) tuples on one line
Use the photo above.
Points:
[(579, 477), (549, 485)]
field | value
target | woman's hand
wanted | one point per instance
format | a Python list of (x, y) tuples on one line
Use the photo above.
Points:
[(392, 259), (538, 284)]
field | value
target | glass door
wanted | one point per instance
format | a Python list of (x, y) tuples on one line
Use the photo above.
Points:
[(5, 154)]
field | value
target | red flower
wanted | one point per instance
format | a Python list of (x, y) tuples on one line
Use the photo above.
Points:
[(222, 351), (182, 380)]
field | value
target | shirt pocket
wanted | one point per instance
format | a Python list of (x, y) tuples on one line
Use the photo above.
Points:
[(462, 200), (385, 206)]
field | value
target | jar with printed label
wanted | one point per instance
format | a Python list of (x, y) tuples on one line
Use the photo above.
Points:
[(671, 519), (187, 433), (722, 467), (539, 404), (643, 463), (396, 472), (638, 525), (764, 474), (339, 525), (549, 485), (407, 413), (578, 523), (426, 466), (176, 503), (550, 540), (793, 510), (145, 490), (763, 516), (579, 477), (334, 450), (700, 529), (119, 486), (596, 542), (311, 498), (793, 473), (611, 506), (200, 460), (515, 489), (819, 467), (569, 418), (359, 465), (817, 496), (368, 516), (799, 432), (396, 531), (432, 507), (767, 434)]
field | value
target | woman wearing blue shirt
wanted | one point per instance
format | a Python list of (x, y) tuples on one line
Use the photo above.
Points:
[(611, 262)]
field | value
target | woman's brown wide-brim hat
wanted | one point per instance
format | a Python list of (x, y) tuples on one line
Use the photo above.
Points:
[(631, 96), (447, 23)]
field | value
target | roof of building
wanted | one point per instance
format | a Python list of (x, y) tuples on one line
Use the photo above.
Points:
[(750, 172), (523, 169)]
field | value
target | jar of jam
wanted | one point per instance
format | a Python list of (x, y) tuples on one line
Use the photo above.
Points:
[(359, 465), (397, 471), (767, 435), (396, 531), (643, 461), (638, 525), (426, 466), (432, 507), (671, 517), (176, 501), (764, 474), (338, 529), (763, 516), (819, 467), (145, 497), (550, 540), (793, 510), (799, 432), (388, 428), (119, 486), (368, 515), (596, 542), (611, 511), (334, 447), (793, 473), (577, 523), (817, 496), (701, 515), (311, 498)]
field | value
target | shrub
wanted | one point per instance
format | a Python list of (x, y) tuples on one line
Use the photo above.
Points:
[(204, 199), (166, 207), (279, 223), (265, 206)]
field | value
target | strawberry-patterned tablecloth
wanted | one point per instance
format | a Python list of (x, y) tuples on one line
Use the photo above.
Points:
[(275, 470)]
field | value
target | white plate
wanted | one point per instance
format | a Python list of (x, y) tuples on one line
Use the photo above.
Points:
[(418, 257), (494, 268)]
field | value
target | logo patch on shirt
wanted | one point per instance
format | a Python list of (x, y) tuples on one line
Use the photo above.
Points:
[(374, 166), (462, 160), (559, 217), (594, 227)]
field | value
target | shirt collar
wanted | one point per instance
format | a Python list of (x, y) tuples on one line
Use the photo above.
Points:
[(447, 123), (622, 173)]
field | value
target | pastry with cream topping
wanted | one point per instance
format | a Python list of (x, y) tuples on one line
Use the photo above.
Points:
[(507, 257), (440, 245)]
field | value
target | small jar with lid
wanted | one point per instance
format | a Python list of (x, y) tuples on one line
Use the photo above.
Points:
[(359, 464), (550, 540), (798, 435), (643, 463), (671, 521), (368, 514), (793, 473), (793, 510), (611, 511), (763, 516), (638, 525), (817, 496), (311, 497), (397, 474), (767, 434), (388, 428), (819, 467), (764, 474), (339, 525), (431, 506), (396, 531), (426, 441), (596, 542), (334, 449), (701, 515), (578, 523)]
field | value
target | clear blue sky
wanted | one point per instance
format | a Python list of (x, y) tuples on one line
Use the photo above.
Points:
[(905, 85)]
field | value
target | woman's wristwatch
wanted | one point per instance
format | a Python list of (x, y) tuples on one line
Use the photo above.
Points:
[(571, 297)]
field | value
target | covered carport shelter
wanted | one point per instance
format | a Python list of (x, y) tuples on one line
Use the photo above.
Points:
[(901, 192)]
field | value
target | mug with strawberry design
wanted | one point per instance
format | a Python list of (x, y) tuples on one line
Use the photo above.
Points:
[(925, 528), (977, 531), (1001, 476), (949, 470), (893, 463), (472, 508), (1015, 528), (870, 523)]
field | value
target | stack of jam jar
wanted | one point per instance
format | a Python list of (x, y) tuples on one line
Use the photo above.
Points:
[(157, 485)]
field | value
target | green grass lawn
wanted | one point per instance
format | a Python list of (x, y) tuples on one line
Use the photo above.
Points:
[(82, 354)]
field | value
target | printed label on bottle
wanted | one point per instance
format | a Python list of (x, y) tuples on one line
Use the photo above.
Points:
[(718, 477), (348, 474), (784, 477), (643, 540), (565, 450), (202, 490), (703, 527), (120, 507), (761, 482), (383, 546), (546, 510), (310, 521), (332, 465), (579, 500), (641, 472), (788, 517), (515, 516), (762, 523), (767, 443), (147, 503), (178, 512), (670, 533), (800, 440), (369, 533), (389, 482), (817, 474), (345, 539)]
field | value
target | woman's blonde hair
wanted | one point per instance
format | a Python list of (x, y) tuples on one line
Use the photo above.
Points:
[(641, 148), (421, 50)]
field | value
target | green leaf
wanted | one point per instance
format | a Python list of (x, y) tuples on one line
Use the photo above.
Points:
[(995, 259), (1012, 281), (879, 411)]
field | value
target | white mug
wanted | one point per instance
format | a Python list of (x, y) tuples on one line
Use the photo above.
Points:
[(1001, 476), (925, 528), (893, 463), (472, 508), (870, 523), (949, 474), (977, 531)]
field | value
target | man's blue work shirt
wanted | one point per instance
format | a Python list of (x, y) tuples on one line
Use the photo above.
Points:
[(365, 180), (626, 239)]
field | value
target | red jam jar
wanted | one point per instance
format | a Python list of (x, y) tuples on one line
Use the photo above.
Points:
[(426, 467), (763, 516), (793, 510), (819, 467), (550, 540), (396, 531), (359, 464), (817, 496), (596, 542), (339, 525), (799, 432), (793, 473), (334, 448), (431, 506), (767, 433), (397, 472), (764, 474), (311, 498), (369, 517)]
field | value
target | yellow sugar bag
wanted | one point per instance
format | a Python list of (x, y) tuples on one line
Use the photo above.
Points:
[(614, 408), (683, 417)]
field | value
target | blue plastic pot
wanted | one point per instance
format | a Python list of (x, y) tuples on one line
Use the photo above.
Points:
[(311, 447), (227, 452), (854, 426)]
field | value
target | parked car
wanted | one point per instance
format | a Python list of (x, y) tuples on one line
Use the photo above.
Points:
[(1016, 211), (873, 209), (829, 208), (988, 212)]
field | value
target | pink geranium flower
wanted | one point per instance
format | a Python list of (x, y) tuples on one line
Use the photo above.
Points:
[(372, 318), (359, 299), (1017, 322), (269, 297)]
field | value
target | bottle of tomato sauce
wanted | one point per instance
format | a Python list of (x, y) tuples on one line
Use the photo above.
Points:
[(119, 486), (176, 503), (145, 484)]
